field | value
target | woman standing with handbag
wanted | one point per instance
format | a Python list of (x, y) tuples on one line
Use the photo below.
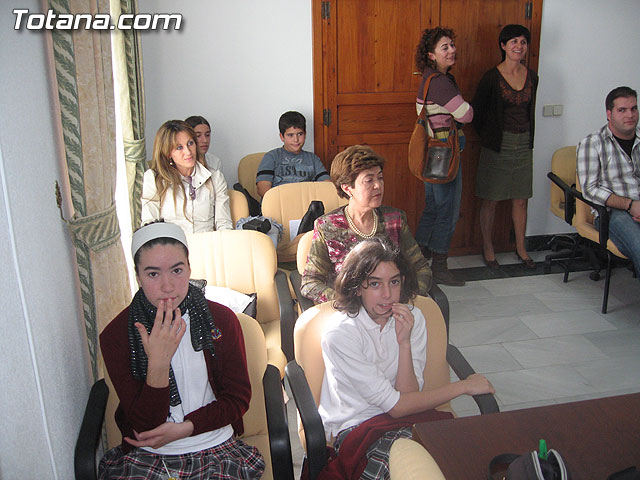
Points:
[(504, 104), (436, 53)]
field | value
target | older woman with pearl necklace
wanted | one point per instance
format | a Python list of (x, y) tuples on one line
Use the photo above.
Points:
[(357, 175)]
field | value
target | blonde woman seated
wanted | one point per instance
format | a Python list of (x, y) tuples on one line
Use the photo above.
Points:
[(179, 188), (374, 351), (356, 173)]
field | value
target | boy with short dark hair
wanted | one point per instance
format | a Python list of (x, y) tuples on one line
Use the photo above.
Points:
[(289, 163)]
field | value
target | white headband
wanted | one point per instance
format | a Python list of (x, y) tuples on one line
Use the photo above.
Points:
[(156, 230)]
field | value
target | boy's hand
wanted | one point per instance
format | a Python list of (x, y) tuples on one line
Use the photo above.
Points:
[(477, 384), (404, 322)]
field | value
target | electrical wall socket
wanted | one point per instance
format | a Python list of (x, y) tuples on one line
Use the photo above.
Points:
[(552, 110)]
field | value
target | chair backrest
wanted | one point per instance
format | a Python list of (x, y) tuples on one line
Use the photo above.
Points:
[(563, 164), (247, 171), (308, 352), (244, 260), (304, 245), (255, 419), (584, 224), (238, 206), (291, 201)]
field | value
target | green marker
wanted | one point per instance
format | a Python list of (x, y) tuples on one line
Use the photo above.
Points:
[(542, 449)]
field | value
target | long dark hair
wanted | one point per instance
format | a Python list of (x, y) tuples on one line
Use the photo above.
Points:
[(360, 262)]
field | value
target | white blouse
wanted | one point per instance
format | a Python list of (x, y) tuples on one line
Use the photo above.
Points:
[(361, 365)]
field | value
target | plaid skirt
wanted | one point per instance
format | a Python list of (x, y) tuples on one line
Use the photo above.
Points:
[(377, 454), (232, 459)]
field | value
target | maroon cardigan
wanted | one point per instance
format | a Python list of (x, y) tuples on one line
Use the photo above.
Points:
[(143, 407)]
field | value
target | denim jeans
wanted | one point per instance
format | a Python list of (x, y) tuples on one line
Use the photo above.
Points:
[(440, 214), (624, 231)]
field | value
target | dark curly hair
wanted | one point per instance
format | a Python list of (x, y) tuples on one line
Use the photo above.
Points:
[(350, 162), (428, 41), (360, 262)]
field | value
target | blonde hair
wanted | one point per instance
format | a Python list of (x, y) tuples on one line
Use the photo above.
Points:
[(166, 173)]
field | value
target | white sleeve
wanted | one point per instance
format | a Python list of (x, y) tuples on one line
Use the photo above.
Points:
[(418, 344), (150, 200), (221, 199), (342, 350)]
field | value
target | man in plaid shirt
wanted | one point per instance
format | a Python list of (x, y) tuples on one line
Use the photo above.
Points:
[(608, 166)]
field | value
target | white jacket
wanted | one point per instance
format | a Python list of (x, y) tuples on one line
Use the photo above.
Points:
[(208, 212)]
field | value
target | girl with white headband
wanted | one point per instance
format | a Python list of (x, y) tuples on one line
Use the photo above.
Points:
[(178, 364)]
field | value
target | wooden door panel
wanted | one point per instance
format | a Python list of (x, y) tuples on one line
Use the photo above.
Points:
[(376, 41), (363, 77), (385, 118)]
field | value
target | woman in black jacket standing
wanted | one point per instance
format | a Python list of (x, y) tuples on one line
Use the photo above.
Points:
[(504, 112)]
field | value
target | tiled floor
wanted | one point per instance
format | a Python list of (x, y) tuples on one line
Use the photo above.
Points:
[(541, 341)]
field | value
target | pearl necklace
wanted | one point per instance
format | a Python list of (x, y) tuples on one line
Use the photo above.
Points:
[(357, 230)]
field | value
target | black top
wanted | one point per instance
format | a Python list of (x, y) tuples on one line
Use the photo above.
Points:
[(488, 109)]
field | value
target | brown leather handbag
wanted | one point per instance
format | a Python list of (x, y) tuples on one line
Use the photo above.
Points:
[(430, 159)]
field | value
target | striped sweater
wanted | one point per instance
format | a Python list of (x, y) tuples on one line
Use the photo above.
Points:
[(443, 99)]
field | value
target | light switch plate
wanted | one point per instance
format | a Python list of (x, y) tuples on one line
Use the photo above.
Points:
[(547, 110), (557, 110)]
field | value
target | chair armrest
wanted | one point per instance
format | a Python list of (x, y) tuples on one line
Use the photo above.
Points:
[(287, 314), (277, 424), (84, 460), (441, 299), (486, 402), (296, 282), (569, 199), (315, 440), (603, 214)]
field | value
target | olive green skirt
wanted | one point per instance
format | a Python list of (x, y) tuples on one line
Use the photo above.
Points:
[(506, 174)]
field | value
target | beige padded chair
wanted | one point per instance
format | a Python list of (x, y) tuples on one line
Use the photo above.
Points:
[(265, 422), (245, 261), (290, 202), (562, 204), (256, 428), (295, 276), (309, 365), (238, 206), (247, 171), (584, 223), (408, 460)]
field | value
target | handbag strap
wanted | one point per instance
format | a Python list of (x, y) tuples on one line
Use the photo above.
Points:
[(425, 91)]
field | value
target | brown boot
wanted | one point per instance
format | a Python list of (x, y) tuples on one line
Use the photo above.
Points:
[(441, 273)]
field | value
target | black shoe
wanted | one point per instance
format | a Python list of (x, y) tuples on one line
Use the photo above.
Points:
[(528, 263), (492, 264)]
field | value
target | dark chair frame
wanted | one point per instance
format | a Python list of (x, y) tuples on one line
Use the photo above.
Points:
[(602, 226), (89, 437)]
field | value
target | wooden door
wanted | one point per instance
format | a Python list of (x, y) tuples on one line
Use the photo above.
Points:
[(365, 87)]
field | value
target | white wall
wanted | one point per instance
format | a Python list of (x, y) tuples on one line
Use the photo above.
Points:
[(240, 64), (587, 48), (43, 363)]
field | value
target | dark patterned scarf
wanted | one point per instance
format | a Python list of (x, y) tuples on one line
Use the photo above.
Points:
[(201, 324)]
